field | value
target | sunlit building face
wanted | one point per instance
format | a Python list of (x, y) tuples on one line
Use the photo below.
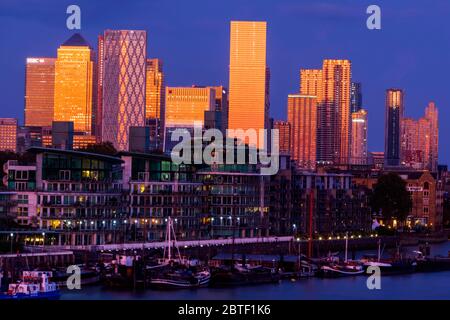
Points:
[(155, 89), (74, 70), (359, 138), (311, 82), (123, 84), (187, 105), (334, 113), (39, 91), (248, 87), (302, 117), (8, 134)]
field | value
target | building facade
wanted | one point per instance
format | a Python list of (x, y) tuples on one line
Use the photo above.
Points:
[(393, 130), (249, 79), (358, 147), (74, 79), (124, 61), (284, 131), (302, 117), (333, 118), (39, 91), (8, 134)]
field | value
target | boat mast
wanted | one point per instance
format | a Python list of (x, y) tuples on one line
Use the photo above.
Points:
[(346, 247), (379, 250)]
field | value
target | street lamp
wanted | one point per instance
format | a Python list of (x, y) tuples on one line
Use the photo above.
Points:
[(43, 239), (12, 237)]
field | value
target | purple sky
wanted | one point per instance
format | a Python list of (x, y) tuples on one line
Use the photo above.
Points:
[(192, 37)]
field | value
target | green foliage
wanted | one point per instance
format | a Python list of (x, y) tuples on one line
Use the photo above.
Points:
[(391, 197)]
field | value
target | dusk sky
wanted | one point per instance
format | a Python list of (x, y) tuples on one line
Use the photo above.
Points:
[(411, 51)]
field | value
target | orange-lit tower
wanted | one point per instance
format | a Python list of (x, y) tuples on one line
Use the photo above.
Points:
[(74, 71), (249, 77)]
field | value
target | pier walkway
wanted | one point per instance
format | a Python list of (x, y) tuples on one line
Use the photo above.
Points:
[(181, 244)]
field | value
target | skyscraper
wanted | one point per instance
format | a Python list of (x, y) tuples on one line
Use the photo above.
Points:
[(155, 100), (100, 73), (302, 118), (74, 75), (311, 82), (431, 113), (249, 78), (355, 97), (333, 119), (8, 134), (155, 90), (420, 140), (359, 137), (124, 75), (393, 122), (39, 91), (186, 105), (284, 131)]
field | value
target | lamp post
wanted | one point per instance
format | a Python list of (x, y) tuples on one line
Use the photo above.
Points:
[(12, 237), (43, 240)]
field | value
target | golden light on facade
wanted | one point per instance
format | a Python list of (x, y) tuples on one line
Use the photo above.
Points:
[(74, 69), (249, 77)]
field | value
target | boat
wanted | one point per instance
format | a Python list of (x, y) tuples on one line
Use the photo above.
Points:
[(333, 267), (126, 272), (431, 264), (239, 275), (34, 285), (388, 266), (87, 276), (335, 270), (172, 273)]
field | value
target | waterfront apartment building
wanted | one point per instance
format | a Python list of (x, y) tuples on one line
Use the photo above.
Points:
[(157, 189), (124, 63), (302, 118), (79, 197), (8, 134), (338, 207), (358, 147), (39, 91), (21, 180), (393, 130), (74, 79), (249, 78), (333, 116), (284, 131)]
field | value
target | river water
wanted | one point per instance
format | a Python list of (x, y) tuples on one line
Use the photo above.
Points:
[(412, 286)]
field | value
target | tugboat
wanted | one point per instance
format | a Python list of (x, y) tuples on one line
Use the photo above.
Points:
[(34, 285), (172, 273)]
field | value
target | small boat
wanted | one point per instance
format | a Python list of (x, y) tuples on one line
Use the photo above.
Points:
[(389, 266), (179, 277), (239, 275), (87, 276), (172, 273), (34, 285), (429, 264), (334, 270)]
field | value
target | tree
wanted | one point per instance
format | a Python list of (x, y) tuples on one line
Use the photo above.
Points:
[(391, 197), (106, 148)]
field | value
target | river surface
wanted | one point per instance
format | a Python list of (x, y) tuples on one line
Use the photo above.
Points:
[(412, 286)]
